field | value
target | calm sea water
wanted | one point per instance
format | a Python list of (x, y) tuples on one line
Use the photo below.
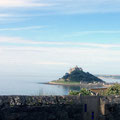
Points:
[(22, 85)]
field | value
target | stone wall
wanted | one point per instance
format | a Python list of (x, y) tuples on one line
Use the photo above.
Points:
[(110, 107), (48, 107), (46, 112), (59, 108)]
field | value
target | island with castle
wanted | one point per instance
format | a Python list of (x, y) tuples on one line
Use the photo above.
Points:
[(77, 76)]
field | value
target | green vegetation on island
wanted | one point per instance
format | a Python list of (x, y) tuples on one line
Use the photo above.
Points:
[(77, 76)]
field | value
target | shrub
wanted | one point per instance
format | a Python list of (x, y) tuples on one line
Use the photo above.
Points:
[(114, 90), (74, 92), (83, 92)]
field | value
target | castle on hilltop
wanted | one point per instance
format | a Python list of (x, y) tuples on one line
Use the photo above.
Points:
[(77, 74), (75, 69)]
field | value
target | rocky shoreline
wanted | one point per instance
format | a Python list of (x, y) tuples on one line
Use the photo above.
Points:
[(82, 85)]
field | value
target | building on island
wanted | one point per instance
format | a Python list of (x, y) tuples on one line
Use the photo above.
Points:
[(75, 69)]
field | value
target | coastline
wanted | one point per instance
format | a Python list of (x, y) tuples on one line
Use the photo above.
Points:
[(53, 83), (79, 85)]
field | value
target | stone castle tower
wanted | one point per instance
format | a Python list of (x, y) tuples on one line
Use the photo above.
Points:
[(75, 69)]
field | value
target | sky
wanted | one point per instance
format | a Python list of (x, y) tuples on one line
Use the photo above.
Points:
[(47, 37)]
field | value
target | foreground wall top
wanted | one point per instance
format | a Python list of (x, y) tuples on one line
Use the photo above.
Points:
[(45, 100)]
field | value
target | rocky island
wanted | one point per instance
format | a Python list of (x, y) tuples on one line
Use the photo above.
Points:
[(77, 76)]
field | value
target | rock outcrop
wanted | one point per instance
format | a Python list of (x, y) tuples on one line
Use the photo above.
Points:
[(78, 75)]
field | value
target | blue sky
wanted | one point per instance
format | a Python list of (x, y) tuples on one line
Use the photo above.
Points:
[(53, 35)]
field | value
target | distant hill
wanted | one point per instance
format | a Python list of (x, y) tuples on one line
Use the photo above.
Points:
[(77, 74)]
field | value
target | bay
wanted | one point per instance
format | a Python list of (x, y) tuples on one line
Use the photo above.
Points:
[(25, 85)]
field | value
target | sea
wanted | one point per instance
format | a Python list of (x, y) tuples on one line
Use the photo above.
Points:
[(32, 86)]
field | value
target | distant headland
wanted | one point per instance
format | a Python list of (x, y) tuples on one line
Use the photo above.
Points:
[(108, 76), (77, 76)]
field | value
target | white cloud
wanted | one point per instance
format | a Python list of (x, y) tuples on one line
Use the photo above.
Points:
[(18, 40), (22, 3), (85, 6), (61, 56), (24, 9), (76, 34), (66, 6), (95, 60), (5, 15), (51, 63), (12, 40), (89, 6), (21, 28), (90, 56)]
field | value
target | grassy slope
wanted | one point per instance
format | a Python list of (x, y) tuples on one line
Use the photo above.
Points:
[(64, 82)]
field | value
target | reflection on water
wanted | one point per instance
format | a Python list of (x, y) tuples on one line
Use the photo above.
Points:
[(30, 86)]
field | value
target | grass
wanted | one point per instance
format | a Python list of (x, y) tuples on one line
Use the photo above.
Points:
[(65, 82)]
